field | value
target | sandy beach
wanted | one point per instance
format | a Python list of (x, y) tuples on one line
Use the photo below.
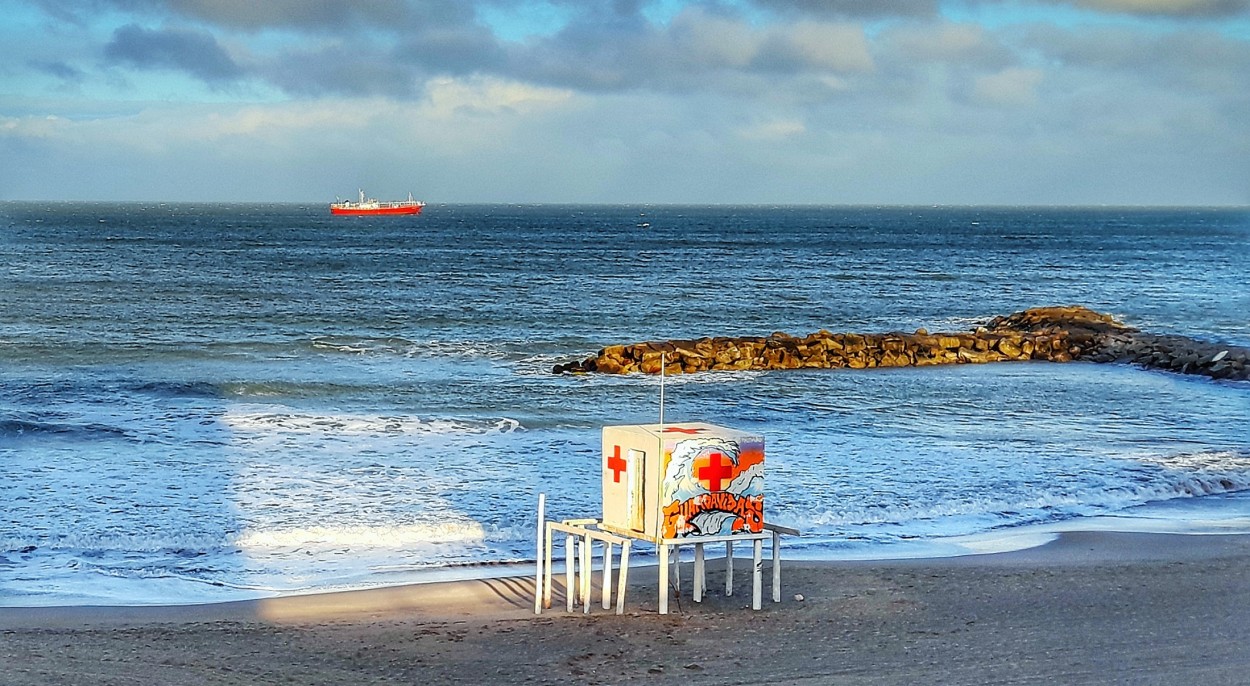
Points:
[(1086, 608)]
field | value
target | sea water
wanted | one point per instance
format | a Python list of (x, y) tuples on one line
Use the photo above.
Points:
[(211, 402)]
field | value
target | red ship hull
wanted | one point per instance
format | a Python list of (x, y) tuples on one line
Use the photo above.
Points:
[(401, 209)]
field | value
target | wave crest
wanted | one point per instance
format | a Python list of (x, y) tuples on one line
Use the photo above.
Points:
[(466, 531), (24, 428), (269, 421), (402, 347), (1149, 479)]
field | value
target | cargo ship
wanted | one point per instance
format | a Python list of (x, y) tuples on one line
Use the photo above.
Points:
[(374, 206)]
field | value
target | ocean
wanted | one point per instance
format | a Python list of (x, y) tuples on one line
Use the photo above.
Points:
[(204, 402)]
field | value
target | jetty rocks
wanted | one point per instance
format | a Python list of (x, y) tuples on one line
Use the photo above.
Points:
[(1053, 334)]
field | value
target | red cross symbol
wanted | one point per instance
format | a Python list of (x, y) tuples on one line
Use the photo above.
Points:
[(679, 430), (715, 470), (616, 464)]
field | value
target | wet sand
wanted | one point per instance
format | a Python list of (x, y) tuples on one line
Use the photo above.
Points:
[(1089, 608)]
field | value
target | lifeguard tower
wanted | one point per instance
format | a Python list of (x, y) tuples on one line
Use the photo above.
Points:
[(670, 485)]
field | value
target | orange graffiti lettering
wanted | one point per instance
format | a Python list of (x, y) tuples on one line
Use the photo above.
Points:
[(748, 512)]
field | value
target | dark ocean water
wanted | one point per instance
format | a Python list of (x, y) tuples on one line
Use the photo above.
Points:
[(202, 402)]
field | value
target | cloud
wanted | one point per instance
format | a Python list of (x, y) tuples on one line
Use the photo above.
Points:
[(813, 46), (249, 15), (339, 70), (312, 14), (696, 51), (773, 130), (1166, 8), (1009, 87), (450, 98), (33, 127), (715, 41), (193, 52), (57, 68), (851, 8), (1197, 61), (454, 50), (477, 133), (945, 42)]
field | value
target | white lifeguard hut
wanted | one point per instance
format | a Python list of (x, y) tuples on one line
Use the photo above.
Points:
[(682, 481)]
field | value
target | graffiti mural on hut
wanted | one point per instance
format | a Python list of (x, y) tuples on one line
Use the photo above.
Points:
[(713, 487), (706, 480)]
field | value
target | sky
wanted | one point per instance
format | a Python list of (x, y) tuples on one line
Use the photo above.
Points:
[(831, 102)]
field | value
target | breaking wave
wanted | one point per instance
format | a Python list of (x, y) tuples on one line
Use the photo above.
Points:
[(263, 420), (403, 347), (186, 545), (365, 536), (1149, 479), (21, 428)]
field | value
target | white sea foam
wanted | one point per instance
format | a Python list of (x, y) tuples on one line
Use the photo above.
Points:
[(398, 536), (162, 541), (263, 419), (1174, 476), (401, 347)]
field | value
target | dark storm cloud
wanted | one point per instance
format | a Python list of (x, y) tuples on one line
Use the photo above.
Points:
[(321, 16), (314, 14), (58, 69), (1200, 9), (367, 68), (699, 50), (340, 70), (851, 8), (944, 43), (1192, 59), (921, 8), (452, 50), (589, 55), (193, 52)]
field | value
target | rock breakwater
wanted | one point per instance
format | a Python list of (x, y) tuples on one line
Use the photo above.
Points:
[(1053, 334)]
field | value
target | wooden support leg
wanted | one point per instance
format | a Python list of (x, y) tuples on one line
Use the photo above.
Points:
[(586, 575), (729, 568), (607, 575), (539, 588), (698, 581), (677, 587), (547, 569), (663, 579), (756, 576), (569, 563), (620, 586), (776, 567)]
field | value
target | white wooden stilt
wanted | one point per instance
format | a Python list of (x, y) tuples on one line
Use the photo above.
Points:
[(663, 579), (729, 568), (607, 574), (569, 563), (547, 568), (756, 575), (586, 575), (776, 566), (539, 588), (697, 582), (620, 587), (676, 571)]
